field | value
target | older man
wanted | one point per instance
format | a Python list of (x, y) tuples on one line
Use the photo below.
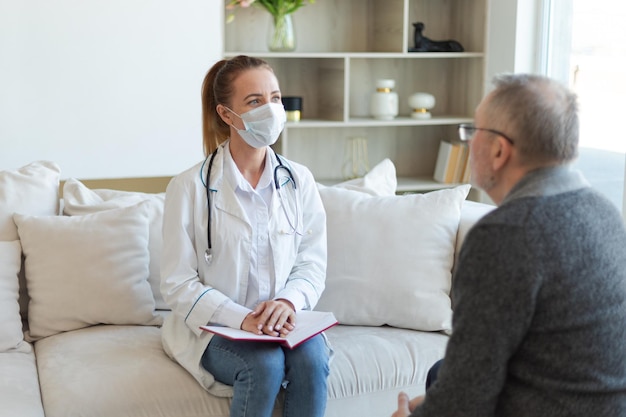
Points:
[(540, 291)]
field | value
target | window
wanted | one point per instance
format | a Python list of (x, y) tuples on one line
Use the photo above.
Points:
[(585, 47)]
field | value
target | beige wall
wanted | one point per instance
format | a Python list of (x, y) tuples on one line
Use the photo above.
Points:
[(145, 185)]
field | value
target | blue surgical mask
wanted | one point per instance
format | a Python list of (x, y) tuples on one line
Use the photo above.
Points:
[(262, 125)]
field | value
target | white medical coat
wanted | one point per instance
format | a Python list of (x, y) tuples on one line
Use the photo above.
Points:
[(195, 290)]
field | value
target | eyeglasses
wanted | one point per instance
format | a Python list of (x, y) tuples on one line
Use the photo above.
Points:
[(467, 132)]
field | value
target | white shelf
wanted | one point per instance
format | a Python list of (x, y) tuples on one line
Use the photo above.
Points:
[(371, 122), (405, 184), (408, 121), (349, 55)]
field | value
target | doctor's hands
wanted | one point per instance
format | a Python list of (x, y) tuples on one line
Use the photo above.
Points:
[(272, 317)]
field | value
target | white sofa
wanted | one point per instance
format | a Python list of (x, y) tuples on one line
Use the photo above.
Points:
[(88, 343)]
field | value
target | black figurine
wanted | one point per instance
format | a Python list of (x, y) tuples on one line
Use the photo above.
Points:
[(423, 44)]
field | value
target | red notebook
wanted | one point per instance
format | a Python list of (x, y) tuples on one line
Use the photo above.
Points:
[(308, 324)]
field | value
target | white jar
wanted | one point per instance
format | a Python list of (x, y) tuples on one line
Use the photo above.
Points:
[(421, 104), (384, 102)]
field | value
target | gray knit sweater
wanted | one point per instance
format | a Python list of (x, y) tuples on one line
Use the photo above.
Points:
[(539, 325)]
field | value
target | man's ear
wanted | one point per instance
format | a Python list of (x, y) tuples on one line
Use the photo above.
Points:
[(224, 114), (501, 152)]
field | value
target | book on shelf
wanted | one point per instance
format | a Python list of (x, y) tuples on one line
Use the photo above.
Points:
[(308, 324), (451, 165), (462, 166), (465, 176), (442, 165)]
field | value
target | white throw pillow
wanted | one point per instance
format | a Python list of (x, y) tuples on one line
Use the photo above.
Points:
[(380, 180), (32, 189), (11, 336), (80, 200), (87, 270), (390, 258)]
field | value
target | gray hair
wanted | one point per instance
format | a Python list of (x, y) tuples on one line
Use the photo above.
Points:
[(540, 114)]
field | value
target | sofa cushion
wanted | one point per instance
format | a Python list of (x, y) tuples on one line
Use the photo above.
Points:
[(86, 270), (80, 200), (373, 364), (122, 371), (390, 258), (118, 371), (19, 385), (11, 336)]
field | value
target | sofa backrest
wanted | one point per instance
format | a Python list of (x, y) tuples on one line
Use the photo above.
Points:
[(80, 201), (471, 212)]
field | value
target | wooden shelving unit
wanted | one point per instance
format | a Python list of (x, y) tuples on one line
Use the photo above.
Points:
[(343, 48)]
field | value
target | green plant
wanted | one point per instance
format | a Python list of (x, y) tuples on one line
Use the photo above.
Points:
[(275, 7)]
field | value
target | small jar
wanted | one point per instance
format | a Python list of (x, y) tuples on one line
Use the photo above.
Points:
[(293, 108), (384, 102), (421, 104)]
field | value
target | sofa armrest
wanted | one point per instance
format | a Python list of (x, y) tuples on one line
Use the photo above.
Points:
[(471, 212)]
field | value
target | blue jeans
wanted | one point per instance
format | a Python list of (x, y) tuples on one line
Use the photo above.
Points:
[(257, 371), (433, 372)]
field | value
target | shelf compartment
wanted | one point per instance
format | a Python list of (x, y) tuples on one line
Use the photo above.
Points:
[(320, 83), (460, 20), (324, 150), (452, 82), (338, 26)]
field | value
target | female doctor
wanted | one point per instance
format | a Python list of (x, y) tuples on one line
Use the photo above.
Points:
[(244, 246)]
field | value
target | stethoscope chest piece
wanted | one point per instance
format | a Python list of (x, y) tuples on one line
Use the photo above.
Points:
[(208, 256)]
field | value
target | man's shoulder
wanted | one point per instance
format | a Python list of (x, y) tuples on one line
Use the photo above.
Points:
[(562, 213), (512, 213)]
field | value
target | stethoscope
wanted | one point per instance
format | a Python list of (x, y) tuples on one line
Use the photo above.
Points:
[(208, 254)]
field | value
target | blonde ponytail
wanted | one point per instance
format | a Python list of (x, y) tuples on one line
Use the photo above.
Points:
[(217, 89)]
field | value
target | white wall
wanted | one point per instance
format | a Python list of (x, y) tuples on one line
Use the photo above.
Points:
[(108, 88), (513, 37)]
